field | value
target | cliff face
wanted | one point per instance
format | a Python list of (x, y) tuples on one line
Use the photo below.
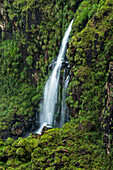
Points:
[(90, 55), (32, 36), (107, 113)]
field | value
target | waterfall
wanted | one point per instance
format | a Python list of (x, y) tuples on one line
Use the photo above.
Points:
[(64, 109), (51, 88)]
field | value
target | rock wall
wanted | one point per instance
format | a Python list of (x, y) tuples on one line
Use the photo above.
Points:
[(36, 30), (107, 115)]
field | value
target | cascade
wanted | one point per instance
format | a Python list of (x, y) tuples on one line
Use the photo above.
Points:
[(47, 110), (64, 109)]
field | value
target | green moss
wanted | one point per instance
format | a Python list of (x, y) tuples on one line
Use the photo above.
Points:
[(2, 168), (13, 163), (2, 155), (69, 147), (29, 60), (37, 29), (9, 141), (1, 143), (91, 48), (20, 152)]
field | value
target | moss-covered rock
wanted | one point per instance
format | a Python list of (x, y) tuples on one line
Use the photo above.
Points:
[(32, 37), (20, 152), (69, 147)]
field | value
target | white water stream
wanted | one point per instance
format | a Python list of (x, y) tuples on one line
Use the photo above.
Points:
[(64, 111), (51, 88)]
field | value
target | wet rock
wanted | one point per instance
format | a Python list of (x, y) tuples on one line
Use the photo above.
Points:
[(65, 64), (107, 113), (43, 128), (52, 65), (20, 127)]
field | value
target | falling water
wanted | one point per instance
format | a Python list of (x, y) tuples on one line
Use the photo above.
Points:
[(51, 87), (64, 109)]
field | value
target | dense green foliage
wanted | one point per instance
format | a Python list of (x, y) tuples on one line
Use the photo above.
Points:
[(68, 148), (31, 39), (90, 59), (14, 89), (36, 30)]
